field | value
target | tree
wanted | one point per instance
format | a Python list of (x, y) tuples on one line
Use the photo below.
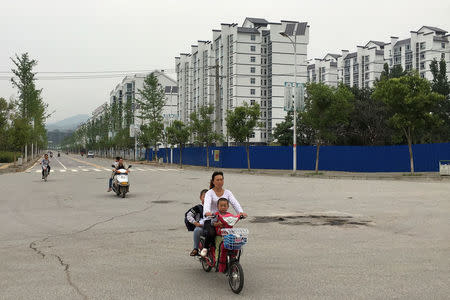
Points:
[(241, 123), (395, 72), (31, 107), (327, 112), (178, 133), (283, 132), (440, 82), (151, 102), (368, 121), (202, 128), (412, 105)]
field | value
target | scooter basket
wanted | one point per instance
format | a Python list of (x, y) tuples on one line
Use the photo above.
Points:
[(234, 238)]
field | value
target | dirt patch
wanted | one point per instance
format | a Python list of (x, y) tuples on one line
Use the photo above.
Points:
[(313, 220), (162, 201)]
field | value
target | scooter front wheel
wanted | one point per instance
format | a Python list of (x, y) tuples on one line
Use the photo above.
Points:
[(236, 277)]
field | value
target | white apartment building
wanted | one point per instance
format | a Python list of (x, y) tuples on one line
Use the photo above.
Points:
[(253, 61), (129, 88), (324, 70), (419, 50), (362, 67)]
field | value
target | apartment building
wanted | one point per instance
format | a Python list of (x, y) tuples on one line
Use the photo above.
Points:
[(324, 70), (128, 90), (242, 64), (364, 66), (418, 51)]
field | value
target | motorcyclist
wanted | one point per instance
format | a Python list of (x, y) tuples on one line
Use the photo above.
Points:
[(45, 163), (116, 163)]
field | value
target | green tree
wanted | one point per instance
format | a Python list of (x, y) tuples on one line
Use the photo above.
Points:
[(395, 72), (31, 107), (327, 112), (412, 105), (178, 134), (202, 128), (151, 103), (241, 123), (441, 85), (283, 132)]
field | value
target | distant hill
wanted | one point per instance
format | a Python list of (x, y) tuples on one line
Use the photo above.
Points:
[(67, 124)]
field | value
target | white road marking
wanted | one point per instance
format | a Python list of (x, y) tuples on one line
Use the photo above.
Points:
[(62, 171), (61, 163), (164, 170), (96, 170), (140, 169), (85, 170), (74, 170), (107, 169), (38, 171)]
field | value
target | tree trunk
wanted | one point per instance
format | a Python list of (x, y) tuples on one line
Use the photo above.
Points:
[(409, 139), (167, 155), (156, 153), (248, 155), (317, 157), (207, 156), (181, 156)]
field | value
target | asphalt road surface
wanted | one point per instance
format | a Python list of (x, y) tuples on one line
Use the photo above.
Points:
[(309, 238)]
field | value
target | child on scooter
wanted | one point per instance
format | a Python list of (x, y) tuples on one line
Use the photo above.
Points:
[(195, 217), (222, 205)]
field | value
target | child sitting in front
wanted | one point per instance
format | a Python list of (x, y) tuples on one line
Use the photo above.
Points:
[(222, 205)]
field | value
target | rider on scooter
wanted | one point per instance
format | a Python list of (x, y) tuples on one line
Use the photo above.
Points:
[(210, 207), (45, 163)]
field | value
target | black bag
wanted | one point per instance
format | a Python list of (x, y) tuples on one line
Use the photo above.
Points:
[(198, 209)]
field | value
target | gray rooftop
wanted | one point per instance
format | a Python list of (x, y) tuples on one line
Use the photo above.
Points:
[(336, 56), (435, 29), (351, 55), (378, 43), (247, 30), (403, 42)]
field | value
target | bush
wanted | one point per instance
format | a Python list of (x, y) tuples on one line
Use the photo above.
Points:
[(8, 157)]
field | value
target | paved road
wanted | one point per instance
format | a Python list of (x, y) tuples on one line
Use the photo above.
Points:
[(309, 238)]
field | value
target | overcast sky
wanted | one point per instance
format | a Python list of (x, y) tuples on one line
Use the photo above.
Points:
[(110, 35)]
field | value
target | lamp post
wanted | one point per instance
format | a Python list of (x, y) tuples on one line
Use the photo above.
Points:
[(294, 44)]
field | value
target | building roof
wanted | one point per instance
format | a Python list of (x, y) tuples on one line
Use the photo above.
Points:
[(257, 21), (435, 29), (247, 30), (351, 55), (403, 42), (378, 43), (336, 56)]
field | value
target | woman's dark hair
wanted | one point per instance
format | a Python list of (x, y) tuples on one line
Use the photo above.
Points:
[(203, 192), (223, 199), (117, 158), (216, 173)]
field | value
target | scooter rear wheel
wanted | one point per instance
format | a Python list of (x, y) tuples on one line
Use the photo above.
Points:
[(206, 267)]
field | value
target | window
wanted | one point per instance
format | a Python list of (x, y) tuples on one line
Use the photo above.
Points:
[(252, 91), (252, 80), (366, 76), (422, 66), (253, 135), (252, 70), (253, 37), (252, 102), (443, 45), (253, 48), (422, 46), (167, 89), (252, 59), (442, 55)]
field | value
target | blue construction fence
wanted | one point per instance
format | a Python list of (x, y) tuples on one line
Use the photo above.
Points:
[(332, 158)]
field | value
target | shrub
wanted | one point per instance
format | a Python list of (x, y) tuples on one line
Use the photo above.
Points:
[(7, 156)]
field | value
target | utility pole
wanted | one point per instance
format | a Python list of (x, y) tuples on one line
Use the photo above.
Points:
[(217, 97)]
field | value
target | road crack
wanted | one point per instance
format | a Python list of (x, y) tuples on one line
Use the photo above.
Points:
[(66, 266)]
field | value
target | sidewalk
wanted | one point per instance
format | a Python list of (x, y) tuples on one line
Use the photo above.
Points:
[(11, 168)]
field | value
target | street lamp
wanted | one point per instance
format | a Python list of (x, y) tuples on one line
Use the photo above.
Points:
[(294, 44)]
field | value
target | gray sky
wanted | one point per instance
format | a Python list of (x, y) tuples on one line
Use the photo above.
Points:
[(110, 35)]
